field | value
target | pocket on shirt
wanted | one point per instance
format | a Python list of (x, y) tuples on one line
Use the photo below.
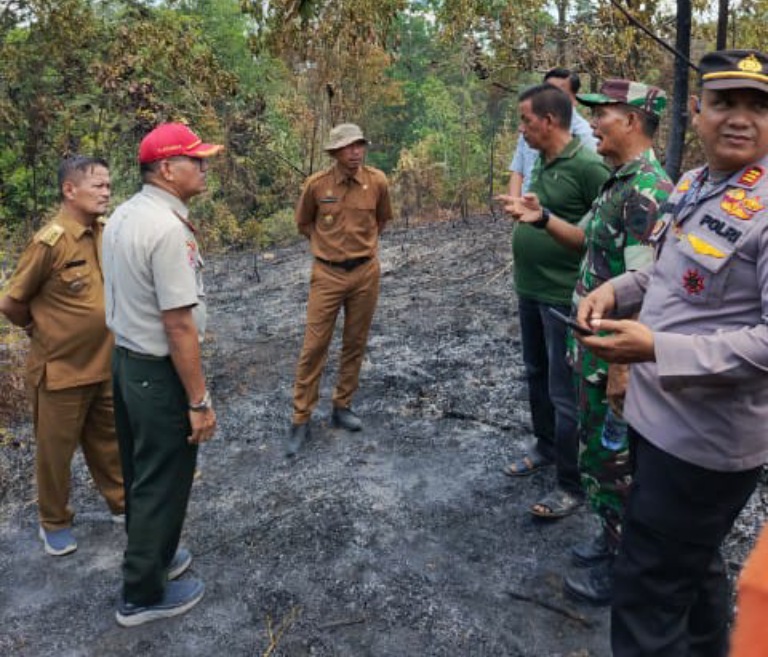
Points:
[(328, 218), (75, 281), (702, 268)]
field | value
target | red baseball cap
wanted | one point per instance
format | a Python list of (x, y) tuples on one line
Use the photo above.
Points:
[(172, 139)]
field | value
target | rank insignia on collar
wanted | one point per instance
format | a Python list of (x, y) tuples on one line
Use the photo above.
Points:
[(737, 204), (751, 176), (684, 186), (658, 227), (328, 219), (693, 282)]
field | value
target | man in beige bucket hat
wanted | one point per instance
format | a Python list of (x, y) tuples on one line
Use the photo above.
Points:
[(342, 211)]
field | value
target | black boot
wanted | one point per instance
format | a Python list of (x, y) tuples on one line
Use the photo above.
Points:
[(346, 419), (297, 436), (591, 553), (593, 585)]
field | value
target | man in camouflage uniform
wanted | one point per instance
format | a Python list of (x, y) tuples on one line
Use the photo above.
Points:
[(613, 236)]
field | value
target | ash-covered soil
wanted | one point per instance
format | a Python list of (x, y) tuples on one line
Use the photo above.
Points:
[(403, 540)]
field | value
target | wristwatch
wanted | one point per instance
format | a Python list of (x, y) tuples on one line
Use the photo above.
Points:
[(542, 223), (203, 405)]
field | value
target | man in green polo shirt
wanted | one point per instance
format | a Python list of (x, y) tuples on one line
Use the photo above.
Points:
[(566, 178)]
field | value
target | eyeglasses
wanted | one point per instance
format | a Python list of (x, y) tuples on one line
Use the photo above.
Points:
[(202, 163)]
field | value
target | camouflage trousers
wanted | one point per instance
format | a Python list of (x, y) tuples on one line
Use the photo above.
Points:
[(606, 474)]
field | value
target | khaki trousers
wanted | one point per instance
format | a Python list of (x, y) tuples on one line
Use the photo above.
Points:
[(330, 289), (63, 419)]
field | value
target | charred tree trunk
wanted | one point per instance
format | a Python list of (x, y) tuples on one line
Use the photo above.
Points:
[(676, 143), (722, 24)]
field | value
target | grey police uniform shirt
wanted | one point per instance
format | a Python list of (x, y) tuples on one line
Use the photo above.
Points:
[(152, 263), (705, 399)]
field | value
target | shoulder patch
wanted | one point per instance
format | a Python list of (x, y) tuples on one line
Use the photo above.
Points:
[(49, 235)]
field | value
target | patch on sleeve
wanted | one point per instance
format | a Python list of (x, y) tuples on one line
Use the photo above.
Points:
[(49, 235), (192, 253)]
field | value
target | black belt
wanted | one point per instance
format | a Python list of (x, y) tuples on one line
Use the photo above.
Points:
[(346, 265), (138, 355)]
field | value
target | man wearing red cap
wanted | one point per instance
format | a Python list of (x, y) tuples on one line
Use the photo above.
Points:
[(342, 211), (156, 309)]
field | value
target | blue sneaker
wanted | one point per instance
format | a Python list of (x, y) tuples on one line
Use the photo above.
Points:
[(179, 598), (58, 542), (179, 564)]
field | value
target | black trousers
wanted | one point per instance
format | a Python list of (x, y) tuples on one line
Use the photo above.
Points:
[(158, 467), (671, 595)]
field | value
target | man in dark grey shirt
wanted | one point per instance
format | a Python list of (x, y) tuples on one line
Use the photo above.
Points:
[(697, 402)]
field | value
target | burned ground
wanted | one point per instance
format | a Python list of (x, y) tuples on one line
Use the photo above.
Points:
[(405, 539)]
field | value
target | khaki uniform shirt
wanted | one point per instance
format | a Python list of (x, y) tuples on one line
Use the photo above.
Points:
[(342, 217), (60, 276), (152, 263)]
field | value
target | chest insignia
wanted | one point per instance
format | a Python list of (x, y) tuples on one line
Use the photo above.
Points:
[(693, 282), (328, 219), (684, 186), (737, 204), (704, 248), (751, 176)]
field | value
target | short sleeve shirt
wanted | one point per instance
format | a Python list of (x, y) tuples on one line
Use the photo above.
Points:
[(60, 276), (544, 270), (343, 216), (152, 263)]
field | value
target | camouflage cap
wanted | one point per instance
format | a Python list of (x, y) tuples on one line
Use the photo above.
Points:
[(343, 135), (734, 69), (626, 92)]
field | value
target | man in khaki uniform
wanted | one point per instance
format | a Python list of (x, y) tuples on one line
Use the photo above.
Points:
[(57, 295), (341, 211)]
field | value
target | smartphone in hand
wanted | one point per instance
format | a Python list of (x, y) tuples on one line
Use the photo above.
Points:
[(572, 323)]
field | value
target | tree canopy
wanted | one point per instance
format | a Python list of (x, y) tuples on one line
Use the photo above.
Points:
[(433, 83)]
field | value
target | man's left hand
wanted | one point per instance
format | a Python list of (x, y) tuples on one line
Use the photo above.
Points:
[(629, 342)]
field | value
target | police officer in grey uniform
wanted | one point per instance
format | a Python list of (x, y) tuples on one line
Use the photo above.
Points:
[(155, 306), (697, 402)]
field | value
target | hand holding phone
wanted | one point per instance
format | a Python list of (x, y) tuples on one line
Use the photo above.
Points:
[(569, 321)]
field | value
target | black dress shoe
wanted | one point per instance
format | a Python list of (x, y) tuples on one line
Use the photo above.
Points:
[(346, 419), (297, 436), (593, 585), (592, 552)]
